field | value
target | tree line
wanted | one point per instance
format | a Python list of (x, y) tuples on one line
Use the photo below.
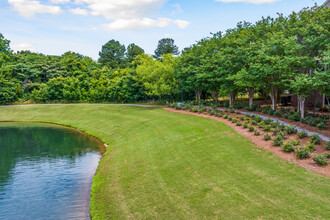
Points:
[(270, 57)]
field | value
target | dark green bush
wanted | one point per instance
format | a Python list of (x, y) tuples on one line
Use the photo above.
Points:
[(315, 139), (310, 146), (278, 140), (267, 137), (302, 153), (302, 134), (287, 147), (327, 145), (290, 129), (251, 128), (238, 123), (321, 160), (256, 133)]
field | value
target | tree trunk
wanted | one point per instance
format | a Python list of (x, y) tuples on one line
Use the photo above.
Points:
[(273, 96), (215, 96), (198, 95), (251, 94), (301, 103), (231, 99)]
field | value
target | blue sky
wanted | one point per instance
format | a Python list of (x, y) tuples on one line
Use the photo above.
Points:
[(56, 26)]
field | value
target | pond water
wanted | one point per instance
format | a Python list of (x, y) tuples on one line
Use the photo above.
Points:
[(46, 171)]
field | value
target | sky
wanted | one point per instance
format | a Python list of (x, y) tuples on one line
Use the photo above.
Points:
[(54, 27)]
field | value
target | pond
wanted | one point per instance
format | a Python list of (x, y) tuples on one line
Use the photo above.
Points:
[(46, 171)]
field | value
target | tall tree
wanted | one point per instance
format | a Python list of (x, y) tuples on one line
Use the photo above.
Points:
[(166, 46), (113, 54), (133, 50)]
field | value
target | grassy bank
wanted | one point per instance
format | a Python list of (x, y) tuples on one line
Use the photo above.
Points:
[(166, 165)]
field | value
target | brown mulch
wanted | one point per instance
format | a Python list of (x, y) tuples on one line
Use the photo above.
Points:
[(325, 132), (308, 164)]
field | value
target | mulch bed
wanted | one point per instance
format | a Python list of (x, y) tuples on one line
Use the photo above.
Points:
[(308, 164)]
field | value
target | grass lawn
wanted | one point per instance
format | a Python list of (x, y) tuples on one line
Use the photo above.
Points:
[(164, 165)]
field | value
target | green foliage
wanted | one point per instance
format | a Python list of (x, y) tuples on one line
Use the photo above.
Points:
[(290, 129), (166, 46), (278, 140), (133, 50), (310, 146), (327, 145), (288, 147), (113, 54), (251, 128), (302, 134), (267, 137), (302, 153), (315, 139), (256, 133), (321, 160)]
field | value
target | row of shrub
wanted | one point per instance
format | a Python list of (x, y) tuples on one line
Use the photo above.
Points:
[(278, 131), (313, 119)]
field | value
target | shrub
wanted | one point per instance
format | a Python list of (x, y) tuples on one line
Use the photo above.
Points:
[(277, 114), (261, 124), (302, 153), (238, 123), (282, 134), (267, 137), (290, 129), (234, 120), (321, 125), (256, 133), (267, 128), (294, 142), (251, 128), (302, 134), (245, 125), (232, 110), (315, 139), (321, 160), (253, 123), (295, 116), (327, 155), (327, 145), (278, 140), (238, 112), (241, 118), (230, 118), (288, 147), (226, 116), (310, 146)]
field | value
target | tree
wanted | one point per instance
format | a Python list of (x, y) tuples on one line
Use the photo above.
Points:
[(166, 46), (157, 77), (132, 51), (113, 54)]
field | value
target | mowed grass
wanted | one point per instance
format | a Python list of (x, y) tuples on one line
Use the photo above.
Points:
[(164, 165)]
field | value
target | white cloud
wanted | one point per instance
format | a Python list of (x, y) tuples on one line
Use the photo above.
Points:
[(121, 9), (144, 23), (28, 8), (23, 46), (79, 11), (60, 1), (249, 1)]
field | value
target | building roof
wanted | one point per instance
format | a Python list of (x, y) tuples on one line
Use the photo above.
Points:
[(327, 3)]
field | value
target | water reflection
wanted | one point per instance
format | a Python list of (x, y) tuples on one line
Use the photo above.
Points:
[(46, 171)]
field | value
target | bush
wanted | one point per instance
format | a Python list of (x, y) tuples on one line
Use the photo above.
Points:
[(302, 134), (238, 123), (315, 139), (302, 153), (234, 120), (230, 118), (288, 147), (278, 140), (267, 137), (294, 142), (251, 128), (256, 133), (295, 116), (290, 129), (310, 146), (321, 126), (327, 145), (267, 128), (226, 116), (321, 160), (245, 125), (253, 123), (241, 118)]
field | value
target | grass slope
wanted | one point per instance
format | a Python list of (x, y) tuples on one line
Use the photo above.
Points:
[(166, 165)]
